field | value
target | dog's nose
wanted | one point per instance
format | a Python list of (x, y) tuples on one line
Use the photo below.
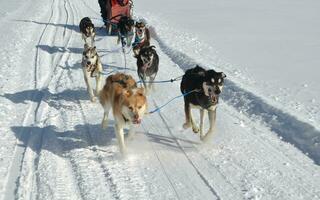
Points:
[(89, 63), (217, 92), (136, 116)]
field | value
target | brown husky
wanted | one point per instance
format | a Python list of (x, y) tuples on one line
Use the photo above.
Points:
[(128, 104)]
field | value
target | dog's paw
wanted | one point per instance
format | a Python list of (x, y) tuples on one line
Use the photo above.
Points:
[(93, 99), (186, 125), (104, 124), (195, 129)]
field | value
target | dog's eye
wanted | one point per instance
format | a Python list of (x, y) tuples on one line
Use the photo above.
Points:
[(139, 107), (131, 108), (92, 56), (212, 80), (86, 56)]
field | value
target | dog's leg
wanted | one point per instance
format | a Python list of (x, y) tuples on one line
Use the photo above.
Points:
[(120, 137), (201, 121), (89, 88), (195, 128), (119, 38), (92, 41), (129, 40), (104, 123), (98, 83), (212, 121), (151, 85), (187, 111)]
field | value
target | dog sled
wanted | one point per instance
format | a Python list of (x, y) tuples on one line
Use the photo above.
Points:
[(112, 11)]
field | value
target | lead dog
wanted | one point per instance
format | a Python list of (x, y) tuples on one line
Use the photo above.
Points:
[(128, 104), (201, 88), (148, 65), (92, 68), (87, 30), (142, 38)]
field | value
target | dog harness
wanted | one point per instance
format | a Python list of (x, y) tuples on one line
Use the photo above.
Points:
[(92, 68), (138, 42)]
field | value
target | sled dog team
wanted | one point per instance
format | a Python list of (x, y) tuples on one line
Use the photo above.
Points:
[(201, 88)]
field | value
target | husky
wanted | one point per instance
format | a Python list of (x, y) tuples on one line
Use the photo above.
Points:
[(148, 65), (128, 103), (92, 68), (142, 38), (125, 31), (87, 30), (202, 88)]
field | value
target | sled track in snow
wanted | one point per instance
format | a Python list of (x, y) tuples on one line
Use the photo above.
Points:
[(283, 124), (212, 190), (32, 137)]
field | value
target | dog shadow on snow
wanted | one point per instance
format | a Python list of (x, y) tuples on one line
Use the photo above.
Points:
[(75, 50), (99, 31), (85, 136), (56, 100)]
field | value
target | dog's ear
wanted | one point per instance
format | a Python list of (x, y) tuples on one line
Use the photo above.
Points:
[(152, 47), (141, 91), (126, 93), (223, 75)]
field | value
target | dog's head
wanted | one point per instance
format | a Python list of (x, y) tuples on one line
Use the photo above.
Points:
[(213, 84), (147, 53), (134, 105), (140, 29), (89, 56), (127, 22), (90, 30)]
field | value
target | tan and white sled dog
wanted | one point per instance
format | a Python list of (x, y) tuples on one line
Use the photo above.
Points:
[(128, 103), (92, 68)]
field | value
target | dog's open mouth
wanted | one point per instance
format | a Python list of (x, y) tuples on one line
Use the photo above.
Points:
[(89, 67), (214, 99), (137, 121)]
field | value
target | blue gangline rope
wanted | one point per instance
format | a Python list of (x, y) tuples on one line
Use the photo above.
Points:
[(182, 95)]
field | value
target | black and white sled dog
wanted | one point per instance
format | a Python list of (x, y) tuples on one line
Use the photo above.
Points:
[(202, 88), (141, 39), (125, 31), (92, 68), (148, 65), (87, 30)]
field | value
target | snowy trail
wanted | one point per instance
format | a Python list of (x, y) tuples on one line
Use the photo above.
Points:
[(59, 151)]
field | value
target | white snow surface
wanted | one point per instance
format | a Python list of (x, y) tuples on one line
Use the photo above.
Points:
[(267, 142)]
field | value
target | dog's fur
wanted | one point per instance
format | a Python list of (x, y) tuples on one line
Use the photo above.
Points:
[(125, 31), (206, 86), (142, 38), (92, 67), (128, 103), (87, 30), (148, 65)]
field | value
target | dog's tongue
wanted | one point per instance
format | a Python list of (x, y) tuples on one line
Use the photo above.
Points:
[(137, 121), (214, 99)]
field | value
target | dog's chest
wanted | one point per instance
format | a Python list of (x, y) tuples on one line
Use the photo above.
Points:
[(201, 101)]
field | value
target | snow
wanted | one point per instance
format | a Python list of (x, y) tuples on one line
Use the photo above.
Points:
[(267, 141)]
